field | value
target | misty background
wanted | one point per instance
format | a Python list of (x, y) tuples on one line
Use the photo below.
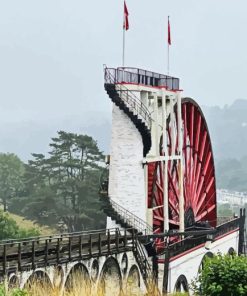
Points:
[(52, 55)]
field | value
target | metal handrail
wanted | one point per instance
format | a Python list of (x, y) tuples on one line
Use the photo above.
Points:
[(128, 217), (144, 77), (128, 97), (131, 219), (143, 264), (192, 241)]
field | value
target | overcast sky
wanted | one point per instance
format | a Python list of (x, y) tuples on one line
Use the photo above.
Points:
[(52, 52)]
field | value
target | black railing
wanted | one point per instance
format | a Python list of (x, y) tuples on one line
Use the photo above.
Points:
[(129, 98), (142, 261), (193, 241), (227, 227), (131, 219), (144, 77), (126, 216)]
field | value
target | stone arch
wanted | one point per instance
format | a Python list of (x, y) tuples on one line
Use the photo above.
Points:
[(94, 270), (37, 280), (58, 278), (78, 280), (133, 281), (231, 252), (124, 264), (13, 281), (207, 255), (181, 284), (110, 280)]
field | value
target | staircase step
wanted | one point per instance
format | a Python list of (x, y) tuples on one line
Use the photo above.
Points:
[(140, 124)]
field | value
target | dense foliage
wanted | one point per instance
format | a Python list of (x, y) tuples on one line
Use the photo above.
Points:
[(9, 228), (61, 189), (11, 172), (223, 275)]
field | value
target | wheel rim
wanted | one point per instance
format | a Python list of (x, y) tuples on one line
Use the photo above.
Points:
[(199, 174)]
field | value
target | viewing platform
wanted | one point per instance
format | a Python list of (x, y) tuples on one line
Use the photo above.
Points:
[(137, 76)]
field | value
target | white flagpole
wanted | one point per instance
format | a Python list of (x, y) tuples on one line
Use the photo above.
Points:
[(124, 29), (168, 46), (123, 60), (168, 58)]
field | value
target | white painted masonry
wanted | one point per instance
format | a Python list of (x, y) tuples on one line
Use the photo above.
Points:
[(51, 271), (188, 265), (126, 176)]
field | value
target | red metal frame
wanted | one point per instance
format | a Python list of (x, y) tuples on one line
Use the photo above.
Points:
[(199, 174)]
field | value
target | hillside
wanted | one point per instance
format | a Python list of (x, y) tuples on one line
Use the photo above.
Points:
[(228, 129), (28, 224), (227, 126)]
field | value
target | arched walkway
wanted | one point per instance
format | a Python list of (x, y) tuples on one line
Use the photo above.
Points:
[(110, 278), (95, 270), (133, 281), (58, 277), (231, 252), (181, 284), (207, 255), (13, 281), (39, 283), (78, 280)]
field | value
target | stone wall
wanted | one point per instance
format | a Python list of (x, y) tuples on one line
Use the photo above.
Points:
[(126, 179)]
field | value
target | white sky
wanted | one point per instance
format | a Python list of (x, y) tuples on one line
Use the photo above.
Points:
[(52, 52)]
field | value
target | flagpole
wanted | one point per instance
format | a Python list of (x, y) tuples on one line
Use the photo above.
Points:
[(168, 58), (123, 60), (125, 28)]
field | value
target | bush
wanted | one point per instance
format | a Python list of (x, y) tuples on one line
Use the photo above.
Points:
[(19, 292), (10, 230), (222, 275), (15, 292)]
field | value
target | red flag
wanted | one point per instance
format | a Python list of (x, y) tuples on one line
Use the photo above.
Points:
[(126, 17), (169, 33)]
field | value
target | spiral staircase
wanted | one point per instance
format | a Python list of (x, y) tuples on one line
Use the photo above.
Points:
[(129, 223), (131, 105)]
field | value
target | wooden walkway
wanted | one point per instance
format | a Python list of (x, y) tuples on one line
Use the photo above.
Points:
[(54, 250)]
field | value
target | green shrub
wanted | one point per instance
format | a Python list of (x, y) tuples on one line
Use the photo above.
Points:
[(9, 229), (19, 292), (222, 275), (2, 290)]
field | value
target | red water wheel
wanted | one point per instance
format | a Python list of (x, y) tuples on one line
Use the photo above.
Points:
[(199, 174)]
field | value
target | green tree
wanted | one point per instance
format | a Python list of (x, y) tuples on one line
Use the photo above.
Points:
[(62, 188), (11, 173), (222, 275)]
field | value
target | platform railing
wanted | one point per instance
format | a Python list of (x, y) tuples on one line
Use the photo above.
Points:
[(128, 97), (144, 77)]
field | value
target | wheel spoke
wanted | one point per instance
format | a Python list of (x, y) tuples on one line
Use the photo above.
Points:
[(211, 199), (209, 210), (192, 125), (198, 166)]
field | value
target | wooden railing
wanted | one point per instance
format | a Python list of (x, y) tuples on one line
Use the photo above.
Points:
[(19, 255)]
